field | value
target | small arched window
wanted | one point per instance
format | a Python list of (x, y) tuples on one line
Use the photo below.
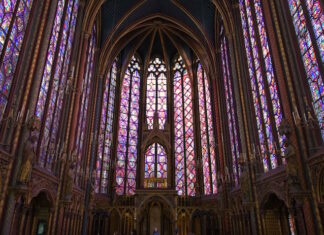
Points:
[(155, 167)]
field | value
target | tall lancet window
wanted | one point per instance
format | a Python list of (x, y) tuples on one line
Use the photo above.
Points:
[(106, 131), (156, 93), (230, 108), (14, 16), (156, 166), (185, 165), (308, 18), (128, 130), (54, 80), (207, 136), (264, 87), (86, 86)]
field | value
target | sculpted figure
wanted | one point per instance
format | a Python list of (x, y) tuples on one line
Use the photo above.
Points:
[(69, 181), (28, 160), (291, 167), (244, 179)]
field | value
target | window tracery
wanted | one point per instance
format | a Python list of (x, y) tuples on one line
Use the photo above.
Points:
[(156, 93)]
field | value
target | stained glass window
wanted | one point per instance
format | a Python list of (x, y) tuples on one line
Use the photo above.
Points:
[(106, 131), (156, 93), (230, 108), (207, 136), (128, 130), (85, 96), (54, 80), (183, 130), (14, 15), (308, 21), (156, 165), (263, 82)]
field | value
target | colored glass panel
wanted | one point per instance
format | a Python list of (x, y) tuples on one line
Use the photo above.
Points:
[(207, 138), (128, 130), (308, 49), (14, 16), (156, 93), (316, 16), (155, 164), (54, 80), (85, 96), (272, 85), (252, 27), (230, 108), (185, 165), (106, 131)]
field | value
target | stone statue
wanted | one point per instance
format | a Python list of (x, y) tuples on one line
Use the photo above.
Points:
[(69, 180), (244, 180), (291, 163), (28, 160)]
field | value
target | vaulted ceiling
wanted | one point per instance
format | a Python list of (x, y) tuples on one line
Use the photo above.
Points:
[(198, 15), (164, 27)]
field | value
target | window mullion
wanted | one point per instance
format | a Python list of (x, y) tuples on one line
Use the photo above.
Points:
[(155, 163), (128, 126), (184, 132), (207, 131)]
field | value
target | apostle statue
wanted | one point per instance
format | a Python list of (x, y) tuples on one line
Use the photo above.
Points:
[(291, 162), (29, 154), (69, 179)]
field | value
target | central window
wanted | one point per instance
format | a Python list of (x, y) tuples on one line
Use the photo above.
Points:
[(156, 93)]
